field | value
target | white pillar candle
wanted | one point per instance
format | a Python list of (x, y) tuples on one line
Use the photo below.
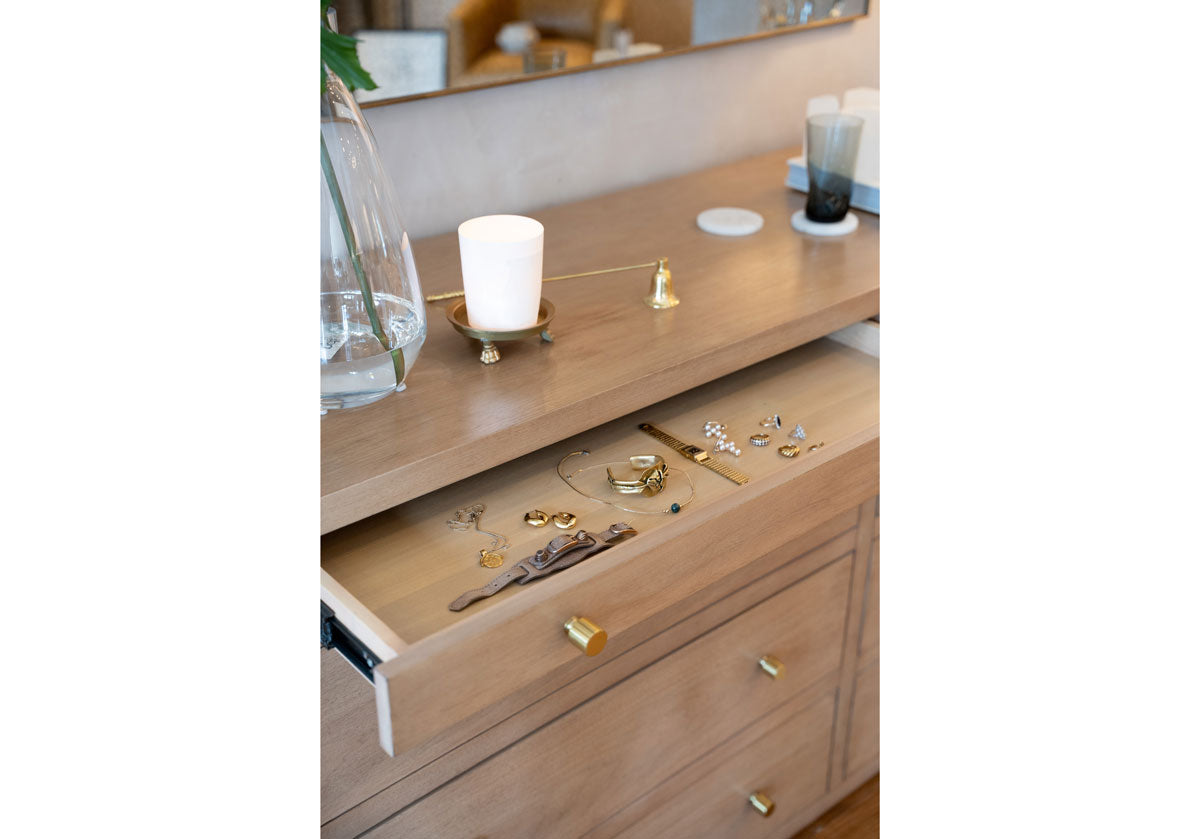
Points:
[(866, 170), (502, 270)]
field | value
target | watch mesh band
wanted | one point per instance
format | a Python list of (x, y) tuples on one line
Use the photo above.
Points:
[(707, 462), (659, 434), (726, 472)]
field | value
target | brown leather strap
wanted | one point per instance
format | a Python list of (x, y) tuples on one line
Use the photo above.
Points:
[(525, 570), (467, 598)]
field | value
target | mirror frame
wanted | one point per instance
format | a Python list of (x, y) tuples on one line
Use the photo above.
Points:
[(620, 62)]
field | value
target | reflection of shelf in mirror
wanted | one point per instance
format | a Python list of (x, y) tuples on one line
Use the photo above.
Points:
[(705, 24), (634, 51)]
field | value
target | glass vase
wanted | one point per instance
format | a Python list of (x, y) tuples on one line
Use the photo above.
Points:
[(372, 310)]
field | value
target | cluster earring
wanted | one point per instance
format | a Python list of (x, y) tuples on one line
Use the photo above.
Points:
[(723, 443), (798, 432)]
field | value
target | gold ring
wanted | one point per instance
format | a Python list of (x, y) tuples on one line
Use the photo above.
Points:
[(564, 520), (536, 518), (650, 481)]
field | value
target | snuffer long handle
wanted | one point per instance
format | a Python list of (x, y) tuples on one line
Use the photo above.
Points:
[(450, 295)]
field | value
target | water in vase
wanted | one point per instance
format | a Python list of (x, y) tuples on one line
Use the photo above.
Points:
[(356, 369)]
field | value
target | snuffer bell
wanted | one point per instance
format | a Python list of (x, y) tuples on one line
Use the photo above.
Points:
[(662, 290)]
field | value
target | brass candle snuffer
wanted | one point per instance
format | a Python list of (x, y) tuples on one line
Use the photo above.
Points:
[(661, 296)]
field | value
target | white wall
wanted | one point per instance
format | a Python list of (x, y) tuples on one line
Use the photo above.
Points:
[(520, 147)]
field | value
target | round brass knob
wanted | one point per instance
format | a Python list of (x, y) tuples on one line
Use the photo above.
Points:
[(773, 666), (586, 635), (760, 802)]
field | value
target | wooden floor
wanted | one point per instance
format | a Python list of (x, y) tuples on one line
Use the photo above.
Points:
[(854, 817)]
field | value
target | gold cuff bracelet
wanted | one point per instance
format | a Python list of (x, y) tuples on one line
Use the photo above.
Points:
[(649, 481)]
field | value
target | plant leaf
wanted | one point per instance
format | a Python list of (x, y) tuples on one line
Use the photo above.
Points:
[(340, 54)]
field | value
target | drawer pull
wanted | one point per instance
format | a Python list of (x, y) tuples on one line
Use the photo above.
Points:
[(586, 635), (773, 667), (759, 801)]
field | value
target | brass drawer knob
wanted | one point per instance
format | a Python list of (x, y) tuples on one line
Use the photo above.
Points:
[(586, 635), (773, 667), (759, 801)]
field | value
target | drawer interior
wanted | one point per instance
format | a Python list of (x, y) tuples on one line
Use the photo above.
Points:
[(391, 577)]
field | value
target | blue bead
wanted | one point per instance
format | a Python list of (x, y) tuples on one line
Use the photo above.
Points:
[(674, 508)]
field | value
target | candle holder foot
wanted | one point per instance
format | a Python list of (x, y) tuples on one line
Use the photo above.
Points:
[(456, 313)]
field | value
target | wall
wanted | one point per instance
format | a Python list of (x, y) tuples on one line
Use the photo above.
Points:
[(524, 146)]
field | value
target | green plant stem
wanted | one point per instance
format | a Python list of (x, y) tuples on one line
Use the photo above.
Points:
[(339, 206)]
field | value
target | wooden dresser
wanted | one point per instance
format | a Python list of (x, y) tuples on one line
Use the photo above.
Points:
[(489, 721)]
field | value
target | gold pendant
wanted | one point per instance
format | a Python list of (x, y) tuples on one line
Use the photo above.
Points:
[(490, 559)]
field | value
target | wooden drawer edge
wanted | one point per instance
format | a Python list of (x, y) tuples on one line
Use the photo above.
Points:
[(369, 629)]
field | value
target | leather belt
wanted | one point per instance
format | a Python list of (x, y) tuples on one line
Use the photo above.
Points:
[(562, 552)]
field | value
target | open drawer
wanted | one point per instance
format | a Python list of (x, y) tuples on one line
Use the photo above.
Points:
[(448, 676)]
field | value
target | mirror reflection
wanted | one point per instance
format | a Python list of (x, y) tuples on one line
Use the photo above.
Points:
[(414, 47)]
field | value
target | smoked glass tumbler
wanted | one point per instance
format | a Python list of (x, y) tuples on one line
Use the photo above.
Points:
[(831, 151), (372, 311)]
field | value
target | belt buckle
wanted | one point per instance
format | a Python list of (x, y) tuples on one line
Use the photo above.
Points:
[(559, 546)]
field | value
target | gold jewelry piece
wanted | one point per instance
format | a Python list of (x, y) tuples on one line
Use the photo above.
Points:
[(789, 450), (695, 454), (673, 508), (772, 421), (564, 520), (464, 518), (760, 439), (817, 446), (650, 481), (536, 518), (489, 559)]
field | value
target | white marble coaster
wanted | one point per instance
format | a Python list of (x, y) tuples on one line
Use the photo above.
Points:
[(729, 221), (801, 223)]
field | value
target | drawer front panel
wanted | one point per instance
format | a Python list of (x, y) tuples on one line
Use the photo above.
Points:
[(567, 777), (790, 766), (459, 678)]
